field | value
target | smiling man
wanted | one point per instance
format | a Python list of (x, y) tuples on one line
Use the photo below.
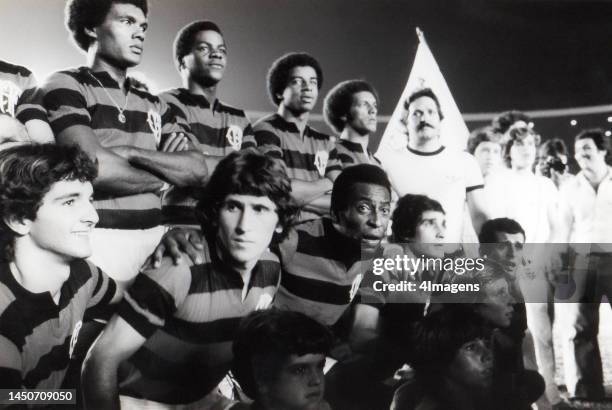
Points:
[(121, 127), (586, 207), (171, 340), (46, 286), (294, 81), (201, 55)]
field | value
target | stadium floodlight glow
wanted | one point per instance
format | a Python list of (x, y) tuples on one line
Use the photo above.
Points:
[(573, 123)]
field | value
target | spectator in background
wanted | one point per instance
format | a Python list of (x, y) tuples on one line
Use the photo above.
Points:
[(586, 209), (279, 358), (553, 161), (485, 145), (294, 81), (350, 108)]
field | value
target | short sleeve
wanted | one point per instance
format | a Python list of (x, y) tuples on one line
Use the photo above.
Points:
[(103, 292), (473, 175), (248, 137), (155, 295), (172, 121), (334, 163), (63, 100)]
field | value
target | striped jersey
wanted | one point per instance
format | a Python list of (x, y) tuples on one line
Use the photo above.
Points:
[(220, 129), (188, 314), (39, 334), (306, 157), (75, 97), (350, 153), (322, 270), (14, 80)]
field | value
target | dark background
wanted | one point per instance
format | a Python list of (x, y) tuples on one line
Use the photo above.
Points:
[(494, 54)]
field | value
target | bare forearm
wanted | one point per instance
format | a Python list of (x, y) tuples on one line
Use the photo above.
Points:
[(320, 205), (183, 168), (306, 192), (117, 177)]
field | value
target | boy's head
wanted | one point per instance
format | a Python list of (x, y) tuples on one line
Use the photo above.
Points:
[(494, 302), (421, 221), (117, 27), (45, 200), (279, 358), (200, 52), (361, 204), (451, 348), (294, 80), (485, 144), (247, 199), (352, 103)]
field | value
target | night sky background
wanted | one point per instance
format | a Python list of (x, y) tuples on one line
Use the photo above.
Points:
[(494, 54)]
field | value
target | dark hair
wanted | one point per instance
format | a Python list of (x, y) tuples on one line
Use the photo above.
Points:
[(423, 92), (27, 173), (185, 38), (438, 337), (504, 121), (480, 135), (553, 147), (349, 177), (514, 133), (408, 212), (337, 103), (247, 173), (502, 225), (82, 14), (267, 338), (597, 135), (278, 75)]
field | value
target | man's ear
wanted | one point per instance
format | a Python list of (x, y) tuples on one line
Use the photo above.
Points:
[(19, 226), (91, 33)]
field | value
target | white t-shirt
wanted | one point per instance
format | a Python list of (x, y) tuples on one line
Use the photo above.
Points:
[(590, 211), (444, 175), (526, 198)]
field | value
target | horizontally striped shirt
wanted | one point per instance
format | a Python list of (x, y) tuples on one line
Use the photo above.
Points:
[(322, 270), (189, 314), (220, 129), (74, 97), (39, 334), (306, 157), (350, 153), (14, 80)]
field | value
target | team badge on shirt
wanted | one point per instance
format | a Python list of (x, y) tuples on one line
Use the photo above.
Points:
[(75, 337), (355, 285), (320, 161), (155, 124), (9, 94), (234, 137)]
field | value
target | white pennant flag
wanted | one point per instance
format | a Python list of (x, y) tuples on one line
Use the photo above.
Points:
[(425, 73)]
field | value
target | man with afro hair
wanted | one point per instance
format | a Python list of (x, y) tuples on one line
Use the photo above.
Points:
[(294, 81), (350, 108)]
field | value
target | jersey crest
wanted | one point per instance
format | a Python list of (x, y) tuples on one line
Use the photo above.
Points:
[(9, 94), (320, 161), (234, 137), (155, 124)]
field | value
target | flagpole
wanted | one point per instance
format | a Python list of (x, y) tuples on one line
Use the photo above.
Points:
[(420, 35)]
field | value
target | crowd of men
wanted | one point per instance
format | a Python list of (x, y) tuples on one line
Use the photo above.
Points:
[(159, 251)]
